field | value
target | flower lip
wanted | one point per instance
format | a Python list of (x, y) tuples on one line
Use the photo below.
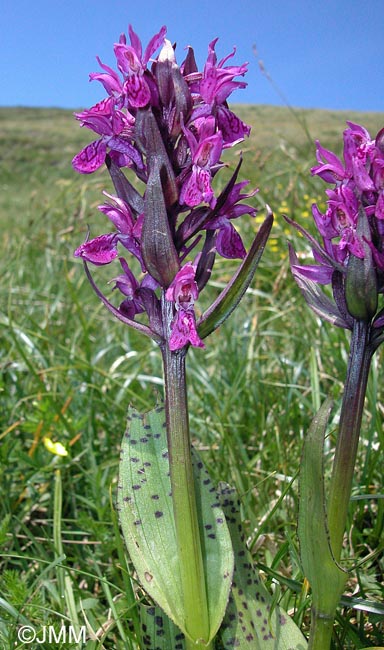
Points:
[(99, 251)]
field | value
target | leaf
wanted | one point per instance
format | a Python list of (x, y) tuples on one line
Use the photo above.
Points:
[(230, 297), (146, 516), (251, 621), (326, 578), (158, 631)]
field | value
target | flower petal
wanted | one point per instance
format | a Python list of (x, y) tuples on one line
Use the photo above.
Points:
[(90, 158), (184, 331)]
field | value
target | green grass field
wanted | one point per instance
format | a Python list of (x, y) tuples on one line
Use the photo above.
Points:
[(69, 372)]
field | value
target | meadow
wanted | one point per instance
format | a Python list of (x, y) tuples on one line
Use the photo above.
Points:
[(69, 371)]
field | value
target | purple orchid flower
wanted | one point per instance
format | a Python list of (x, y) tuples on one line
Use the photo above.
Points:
[(351, 257), (206, 151), (330, 167), (136, 300), (103, 249), (129, 229), (116, 131), (212, 88), (110, 80), (133, 63), (99, 251), (127, 284), (183, 292), (228, 241), (358, 149), (169, 125)]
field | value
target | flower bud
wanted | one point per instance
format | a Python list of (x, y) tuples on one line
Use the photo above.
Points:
[(174, 93)]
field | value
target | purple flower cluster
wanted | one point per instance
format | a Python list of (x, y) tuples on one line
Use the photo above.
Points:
[(169, 126), (351, 256)]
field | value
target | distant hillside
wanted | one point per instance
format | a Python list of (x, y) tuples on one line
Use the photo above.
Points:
[(270, 125), (37, 145)]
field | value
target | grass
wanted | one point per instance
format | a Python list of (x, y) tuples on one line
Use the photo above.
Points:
[(69, 372)]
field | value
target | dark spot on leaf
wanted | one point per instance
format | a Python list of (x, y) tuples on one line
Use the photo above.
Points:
[(158, 514)]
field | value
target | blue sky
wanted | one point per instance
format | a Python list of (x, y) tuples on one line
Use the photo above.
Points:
[(320, 54)]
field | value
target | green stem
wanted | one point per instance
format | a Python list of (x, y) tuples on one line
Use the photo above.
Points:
[(321, 632), (349, 432), (323, 614), (183, 491)]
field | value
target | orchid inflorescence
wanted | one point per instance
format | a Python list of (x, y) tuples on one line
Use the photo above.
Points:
[(351, 257), (169, 126)]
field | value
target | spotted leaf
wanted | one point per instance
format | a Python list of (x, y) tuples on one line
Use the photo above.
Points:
[(158, 632), (146, 516), (251, 622)]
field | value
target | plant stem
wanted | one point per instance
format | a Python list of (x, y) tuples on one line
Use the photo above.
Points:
[(321, 632), (183, 491), (323, 614), (349, 432)]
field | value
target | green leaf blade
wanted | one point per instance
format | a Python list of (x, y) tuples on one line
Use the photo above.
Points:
[(326, 578), (146, 517), (251, 621), (230, 297)]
